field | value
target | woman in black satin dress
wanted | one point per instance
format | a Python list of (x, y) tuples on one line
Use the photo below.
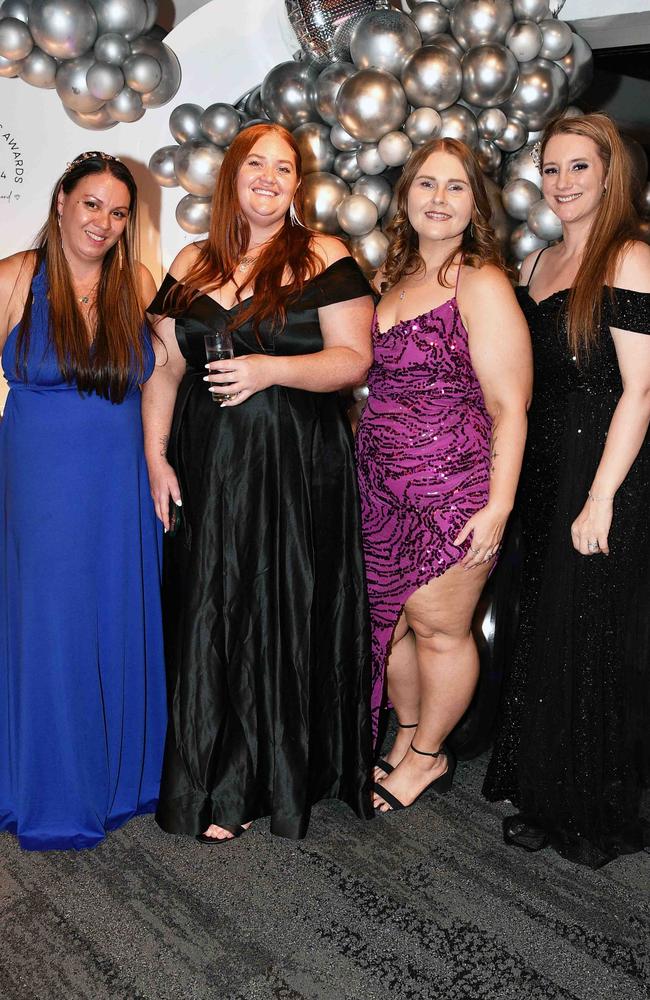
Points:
[(573, 752), (264, 598)]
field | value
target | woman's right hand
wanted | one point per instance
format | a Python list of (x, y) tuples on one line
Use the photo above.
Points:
[(163, 484)]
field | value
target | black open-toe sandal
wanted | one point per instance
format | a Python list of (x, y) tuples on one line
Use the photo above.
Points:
[(382, 764), (441, 785), (212, 841)]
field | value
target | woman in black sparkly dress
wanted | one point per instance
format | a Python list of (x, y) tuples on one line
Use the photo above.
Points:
[(573, 751)]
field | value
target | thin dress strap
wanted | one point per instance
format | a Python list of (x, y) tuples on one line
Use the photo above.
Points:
[(530, 276), (460, 264)]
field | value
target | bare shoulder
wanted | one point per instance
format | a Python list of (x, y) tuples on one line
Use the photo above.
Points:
[(633, 267), (17, 269), (329, 248), (483, 281), (146, 284), (185, 260), (527, 266)]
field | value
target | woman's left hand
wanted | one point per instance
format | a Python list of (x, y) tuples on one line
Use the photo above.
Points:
[(241, 376), (590, 530), (486, 528)]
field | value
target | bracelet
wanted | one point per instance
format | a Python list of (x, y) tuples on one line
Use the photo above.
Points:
[(597, 499)]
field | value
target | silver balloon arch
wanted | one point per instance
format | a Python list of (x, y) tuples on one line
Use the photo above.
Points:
[(372, 83), (105, 58)]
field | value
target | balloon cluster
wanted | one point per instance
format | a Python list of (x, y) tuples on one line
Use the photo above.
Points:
[(489, 72), (104, 57)]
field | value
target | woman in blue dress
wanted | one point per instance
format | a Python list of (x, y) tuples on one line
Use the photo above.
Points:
[(82, 701)]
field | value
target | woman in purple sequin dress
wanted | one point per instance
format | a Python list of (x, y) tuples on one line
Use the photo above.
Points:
[(439, 449)]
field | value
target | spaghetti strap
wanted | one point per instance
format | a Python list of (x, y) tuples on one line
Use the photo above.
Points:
[(530, 276), (460, 264)]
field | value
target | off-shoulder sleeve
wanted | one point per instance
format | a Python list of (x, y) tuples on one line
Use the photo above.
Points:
[(157, 306), (340, 282), (630, 310)]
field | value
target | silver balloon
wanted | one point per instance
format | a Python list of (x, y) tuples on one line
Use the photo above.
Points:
[(523, 242), (644, 202), (342, 140), (323, 193), (499, 219), (370, 104), (524, 39), (432, 78), (104, 81), (449, 43), (171, 70), (643, 231), (142, 73), (384, 39), (541, 92), (220, 123), (422, 124), (370, 251), (10, 67), (126, 17), (491, 123), (72, 88), (316, 150), (369, 160), (530, 10), (518, 196), (390, 212), (431, 19), (490, 74), (558, 38), (323, 27), (357, 215), (449, 4), (394, 148), (489, 156), (458, 122), (476, 22), (377, 189), (185, 122), (197, 163), (63, 30), (16, 41), (152, 15), (162, 167), (543, 222), (112, 48), (16, 8), (521, 164), (328, 85), (289, 93), (346, 166), (513, 137), (96, 121), (193, 214), (578, 64), (39, 69), (126, 106), (253, 105)]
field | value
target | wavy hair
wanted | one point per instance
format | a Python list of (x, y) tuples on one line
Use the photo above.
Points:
[(118, 318), (228, 241), (613, 228), (478, 245)]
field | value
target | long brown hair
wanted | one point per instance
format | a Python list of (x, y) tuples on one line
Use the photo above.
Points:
[(228, 241), (116, 356), (614, 226), (479, 244)]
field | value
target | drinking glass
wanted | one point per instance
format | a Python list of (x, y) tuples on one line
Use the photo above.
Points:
[(218, 347)]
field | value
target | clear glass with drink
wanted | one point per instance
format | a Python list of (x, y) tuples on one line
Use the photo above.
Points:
[(218, 347)]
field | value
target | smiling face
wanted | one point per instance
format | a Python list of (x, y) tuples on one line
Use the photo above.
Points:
[(440, 200), (573, 177), (93, 216), (267, 181)]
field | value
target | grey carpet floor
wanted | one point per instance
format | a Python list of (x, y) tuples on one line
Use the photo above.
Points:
[(426, 905)]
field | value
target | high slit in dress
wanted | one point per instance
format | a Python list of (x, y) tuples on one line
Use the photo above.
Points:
[(423, 455)]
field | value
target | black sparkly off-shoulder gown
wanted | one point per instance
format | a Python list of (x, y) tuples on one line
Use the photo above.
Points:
[(264, 601), (573, 748)]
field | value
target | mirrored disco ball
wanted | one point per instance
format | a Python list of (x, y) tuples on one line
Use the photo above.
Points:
[(317, 22)]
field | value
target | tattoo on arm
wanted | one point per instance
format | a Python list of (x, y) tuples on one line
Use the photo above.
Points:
[(164, 441), (494, 454)]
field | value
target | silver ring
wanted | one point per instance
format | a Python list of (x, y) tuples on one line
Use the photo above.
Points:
[(593, 546), (475, 551)]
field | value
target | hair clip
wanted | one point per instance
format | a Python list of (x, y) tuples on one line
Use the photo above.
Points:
[(536, 155), (92, 155)]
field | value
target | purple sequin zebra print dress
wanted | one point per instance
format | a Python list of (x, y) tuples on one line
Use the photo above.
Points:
[(423, 453)]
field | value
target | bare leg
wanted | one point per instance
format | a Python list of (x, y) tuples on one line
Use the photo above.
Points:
[(439, 615), (403, 691)]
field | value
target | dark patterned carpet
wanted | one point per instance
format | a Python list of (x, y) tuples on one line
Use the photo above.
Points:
[(424, 905)]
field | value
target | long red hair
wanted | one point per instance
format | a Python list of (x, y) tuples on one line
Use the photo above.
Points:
[(228, 239)]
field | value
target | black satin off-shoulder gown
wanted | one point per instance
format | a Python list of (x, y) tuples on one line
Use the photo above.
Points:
[(267, 635)]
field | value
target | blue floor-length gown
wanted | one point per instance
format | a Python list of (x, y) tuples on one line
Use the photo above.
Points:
[(82, 698)]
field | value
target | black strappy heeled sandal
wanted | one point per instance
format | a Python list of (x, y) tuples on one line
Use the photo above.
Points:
[(441, 784), (382, 764), (215, 841)]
